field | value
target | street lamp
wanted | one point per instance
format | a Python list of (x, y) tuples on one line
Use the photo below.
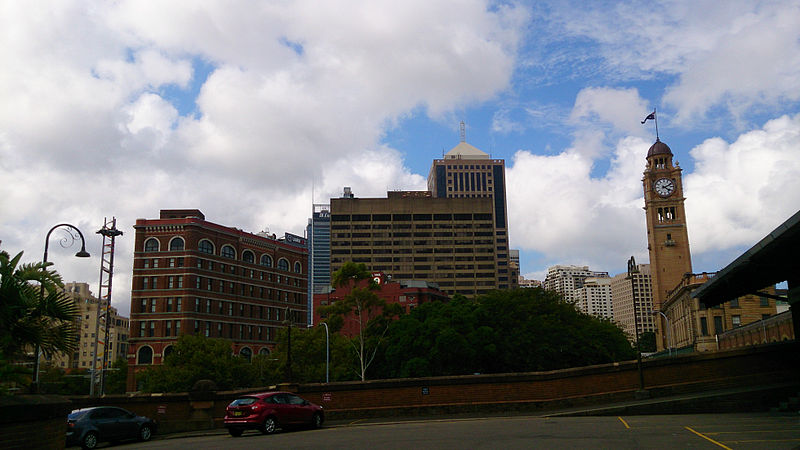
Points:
[(65, 242), (633, 270), (670, 343)]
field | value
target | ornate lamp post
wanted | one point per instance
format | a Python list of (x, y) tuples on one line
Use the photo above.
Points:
[(73, 233), (632, 271)]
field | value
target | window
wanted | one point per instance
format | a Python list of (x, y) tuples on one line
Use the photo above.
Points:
[(177, 328), (176, 244), (718, 328), (266, 260), (145, 355), (228, 252), (248, 257), (764, 301), (736, 321), (168, 331), (178, 302), (205, 246), (152, 305), (152, 331), (151, 245), (283, 264), (298, 268), (246, 353), (169, 305), (735, 303)]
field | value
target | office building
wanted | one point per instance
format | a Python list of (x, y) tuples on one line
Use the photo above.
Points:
[(192, 276), (319, 253), (594, 297), (623, 294), (567, 279)]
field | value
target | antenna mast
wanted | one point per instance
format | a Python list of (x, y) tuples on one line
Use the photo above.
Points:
[(104, 300)]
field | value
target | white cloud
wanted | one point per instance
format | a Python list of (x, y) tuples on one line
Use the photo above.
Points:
[(741, 191), (623, 109)]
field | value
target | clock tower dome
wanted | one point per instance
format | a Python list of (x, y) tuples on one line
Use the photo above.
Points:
[(667, 237)]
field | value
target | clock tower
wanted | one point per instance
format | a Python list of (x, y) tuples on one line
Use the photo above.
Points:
[(667, 237)]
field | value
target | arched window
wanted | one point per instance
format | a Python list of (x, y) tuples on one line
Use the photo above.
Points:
[(205, 246), (283, 264), (166, 352), (298, 267), (151, 245), (228, 252), (145, 355), (248, 256), (264, 351), (266, 260), (176, 244), (246, 353)]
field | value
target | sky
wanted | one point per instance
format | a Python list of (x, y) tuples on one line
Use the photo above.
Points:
[(245, 110)]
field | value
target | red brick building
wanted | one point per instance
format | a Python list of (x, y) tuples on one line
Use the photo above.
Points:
[(407, 293), (197, 277)]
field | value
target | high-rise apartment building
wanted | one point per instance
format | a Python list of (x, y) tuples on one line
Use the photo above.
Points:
[(118, 328), (192, 276), (567, 279), (623, 293), (467, 172), (594, 297), (319, 254), (411, 235)]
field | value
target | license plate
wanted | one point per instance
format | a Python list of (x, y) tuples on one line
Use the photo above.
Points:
[(237, 413)]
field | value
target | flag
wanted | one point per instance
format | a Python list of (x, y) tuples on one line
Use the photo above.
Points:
[(652, 116)]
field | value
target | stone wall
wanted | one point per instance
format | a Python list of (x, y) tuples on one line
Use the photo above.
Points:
[(33, 421)]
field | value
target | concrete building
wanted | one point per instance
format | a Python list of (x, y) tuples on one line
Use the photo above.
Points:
[(594, 297), (567, 279), (525, 283), (622, 298), (194, 276), (82, 357), (467, 172), (412, 235)]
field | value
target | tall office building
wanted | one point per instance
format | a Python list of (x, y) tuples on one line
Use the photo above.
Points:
[(83, 355), (319, 254), (467, 172), (192, 276), (594, 297), (623, 294), (566, 280), (411, 235)]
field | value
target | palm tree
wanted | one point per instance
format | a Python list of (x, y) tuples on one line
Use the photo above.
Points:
[(34, 310)]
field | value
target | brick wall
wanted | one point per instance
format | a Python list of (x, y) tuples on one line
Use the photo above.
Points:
[(33, 421), (756, 366)]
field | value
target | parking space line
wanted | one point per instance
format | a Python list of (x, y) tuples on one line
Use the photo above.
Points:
[(623, 422), (708, 438)]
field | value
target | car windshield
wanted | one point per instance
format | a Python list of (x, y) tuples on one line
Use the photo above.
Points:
[(244, 401), (74, 415)]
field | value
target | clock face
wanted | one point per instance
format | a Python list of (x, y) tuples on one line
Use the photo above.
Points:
[(664, 187)]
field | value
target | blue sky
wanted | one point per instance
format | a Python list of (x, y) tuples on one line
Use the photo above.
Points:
[(239, 108)]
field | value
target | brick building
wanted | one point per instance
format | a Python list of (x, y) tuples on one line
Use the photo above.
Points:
[(197, 277), (407, 293)]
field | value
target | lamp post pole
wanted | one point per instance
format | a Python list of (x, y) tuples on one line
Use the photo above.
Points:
[(81, 254), (670, 343), (633, 270), (327, 353)]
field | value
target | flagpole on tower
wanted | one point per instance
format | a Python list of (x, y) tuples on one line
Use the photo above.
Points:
[(654, 117)]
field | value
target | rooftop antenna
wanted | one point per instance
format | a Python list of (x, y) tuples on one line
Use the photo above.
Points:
[(463, 132)]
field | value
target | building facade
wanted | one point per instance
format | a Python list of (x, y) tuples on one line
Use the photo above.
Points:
[(411, 235), (566, 280), (467, 172), (87, 323), (594, 297), (667, 235), (407, 293), (692, 325), (623, 295), (192, 276), (319, 253)]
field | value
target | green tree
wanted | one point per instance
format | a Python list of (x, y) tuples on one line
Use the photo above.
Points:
[(116, 378), (362, 307), (55, 380), (308, 357), (647, 342), (197, 358), (28, 318)]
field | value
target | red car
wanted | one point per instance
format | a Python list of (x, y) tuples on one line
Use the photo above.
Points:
[(267, 411)]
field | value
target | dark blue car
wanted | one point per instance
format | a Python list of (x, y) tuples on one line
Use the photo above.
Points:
[(89, 426)]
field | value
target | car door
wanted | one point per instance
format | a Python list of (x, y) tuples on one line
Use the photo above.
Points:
[(301, 410), (283, 410), (127, 427), (102, 419)]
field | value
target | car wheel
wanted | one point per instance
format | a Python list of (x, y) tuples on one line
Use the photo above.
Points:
[(90, 440), (316, 421), (269, 425), (235, 432), (145, 433)]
